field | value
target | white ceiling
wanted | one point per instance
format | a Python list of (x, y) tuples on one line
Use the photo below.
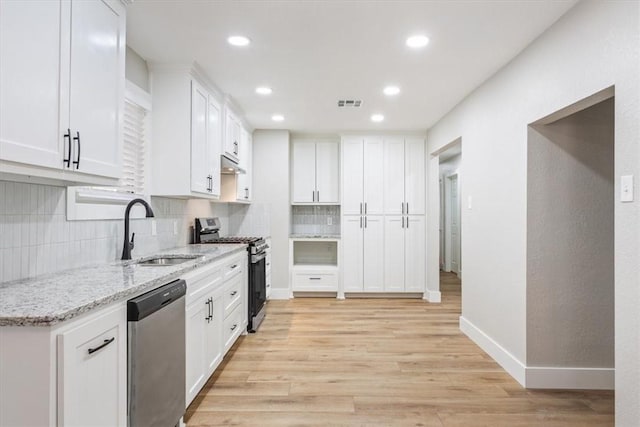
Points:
[(313, 53)]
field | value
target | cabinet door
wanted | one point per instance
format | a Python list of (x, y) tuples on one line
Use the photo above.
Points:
[(196, 343), (394, 253), (327, 175), (373, 254), (213, 338), (415, 253), (373, 175), (414, 176), (96, 86), (304, 172), (214, 143), (30, 42), (352, 254), (394, 176), (232, 136), (352, 176), (199, 152), (92, 375), (243, 180)]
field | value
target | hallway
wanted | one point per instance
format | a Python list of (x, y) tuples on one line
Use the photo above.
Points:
[(377, 362)]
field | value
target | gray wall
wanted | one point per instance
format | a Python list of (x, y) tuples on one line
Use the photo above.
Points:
[(570, 240), (271, 189)]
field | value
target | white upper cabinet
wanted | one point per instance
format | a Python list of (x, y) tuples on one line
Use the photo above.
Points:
[(214, 143), (414, 176), (352, 176), (243, 184), (327, 172), (362, 167), (200, 160), (233, 130), (315, 173), (404, 176), (187, 134), (62, 66), (303, 179)]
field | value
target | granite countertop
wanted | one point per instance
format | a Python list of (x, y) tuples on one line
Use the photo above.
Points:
[(53, 298), (314, 236)]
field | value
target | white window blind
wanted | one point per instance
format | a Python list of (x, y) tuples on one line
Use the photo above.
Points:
[(134, 148)]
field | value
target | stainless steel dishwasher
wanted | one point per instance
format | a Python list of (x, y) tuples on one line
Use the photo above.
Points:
[(156, 365)]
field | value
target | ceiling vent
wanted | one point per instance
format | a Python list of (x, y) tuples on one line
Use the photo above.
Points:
[(349, 103)]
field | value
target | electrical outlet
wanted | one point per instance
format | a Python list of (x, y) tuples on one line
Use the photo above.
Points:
[(154, 227), (175, 227), (329, 220)]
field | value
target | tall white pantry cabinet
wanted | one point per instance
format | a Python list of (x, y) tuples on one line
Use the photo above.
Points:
[(383, 214)]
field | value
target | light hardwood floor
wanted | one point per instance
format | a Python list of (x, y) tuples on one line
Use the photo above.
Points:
[(377, 362)]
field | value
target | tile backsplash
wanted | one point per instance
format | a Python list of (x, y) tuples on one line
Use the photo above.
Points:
[(36, 238), (324, 220)]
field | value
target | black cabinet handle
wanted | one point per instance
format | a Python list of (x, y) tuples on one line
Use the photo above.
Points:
[(314, 278), (101, 346), (67, 139), (77, 161)]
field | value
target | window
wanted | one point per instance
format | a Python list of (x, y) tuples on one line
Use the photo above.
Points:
[(85, 203)]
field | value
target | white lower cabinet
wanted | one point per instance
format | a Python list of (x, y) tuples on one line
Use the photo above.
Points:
[(363, 253), (216, 315), (404, 253), (92, 372)]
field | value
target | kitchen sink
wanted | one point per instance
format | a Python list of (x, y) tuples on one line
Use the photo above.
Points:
[(163, 261)]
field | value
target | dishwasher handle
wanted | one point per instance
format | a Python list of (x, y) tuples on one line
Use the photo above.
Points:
[(148, 303)]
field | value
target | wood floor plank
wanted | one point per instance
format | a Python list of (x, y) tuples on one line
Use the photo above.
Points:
[(378, 362)]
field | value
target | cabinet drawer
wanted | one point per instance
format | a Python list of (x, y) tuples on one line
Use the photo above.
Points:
[(232, 327), (202, 282), (233, 268), (320, 281), (232, 294)]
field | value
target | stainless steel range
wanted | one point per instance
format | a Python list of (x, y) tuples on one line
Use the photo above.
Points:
[(207, 230)]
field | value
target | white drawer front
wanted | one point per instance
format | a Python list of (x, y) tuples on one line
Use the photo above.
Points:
[(323, 281), (232, 327), (232, 294)]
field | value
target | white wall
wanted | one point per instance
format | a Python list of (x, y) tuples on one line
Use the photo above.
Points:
[(570, 247), (594, 46), (136, 69), (271, 188)]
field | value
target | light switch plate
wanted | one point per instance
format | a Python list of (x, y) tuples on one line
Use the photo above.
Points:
[(154, 227), (626, 188), (469, 202), (175, 227)]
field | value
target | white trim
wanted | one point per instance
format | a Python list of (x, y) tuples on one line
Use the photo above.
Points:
[(432, 296), (137, 95), (508, 361), (280, 293), (570, 378)]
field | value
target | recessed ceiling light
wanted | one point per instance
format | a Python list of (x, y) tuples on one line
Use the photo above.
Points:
[(238, 41), (391, 90), (264, 90), (377, 118), (277, 117), (417, 41)]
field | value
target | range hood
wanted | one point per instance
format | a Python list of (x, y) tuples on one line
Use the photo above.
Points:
[(230, 167)]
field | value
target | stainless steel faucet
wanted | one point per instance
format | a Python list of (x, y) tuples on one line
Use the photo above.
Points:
[(126, 249)]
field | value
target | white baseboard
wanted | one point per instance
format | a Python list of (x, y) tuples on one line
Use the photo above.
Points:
[(508, 361), (280, 293), (571, 378), (433, 296), (540, 377)]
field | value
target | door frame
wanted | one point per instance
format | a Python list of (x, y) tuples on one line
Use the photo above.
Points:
[(448, 209)]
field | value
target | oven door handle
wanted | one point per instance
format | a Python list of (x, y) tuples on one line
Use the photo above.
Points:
[(258, 257)]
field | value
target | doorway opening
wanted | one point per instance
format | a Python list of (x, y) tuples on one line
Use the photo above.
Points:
[(449, 174), (570, 244)]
